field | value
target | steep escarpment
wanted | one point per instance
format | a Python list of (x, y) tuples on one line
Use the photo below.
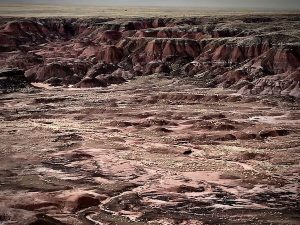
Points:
[(253, 54)]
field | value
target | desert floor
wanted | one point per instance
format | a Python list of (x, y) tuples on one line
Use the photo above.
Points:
[(155, 150)]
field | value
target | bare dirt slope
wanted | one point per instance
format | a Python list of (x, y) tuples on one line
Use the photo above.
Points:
[(155, 150)]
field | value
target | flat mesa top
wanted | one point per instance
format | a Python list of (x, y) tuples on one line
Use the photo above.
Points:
[(43, 10)]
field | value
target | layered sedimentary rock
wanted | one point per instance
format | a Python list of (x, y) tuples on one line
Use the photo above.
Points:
[(253, 53)]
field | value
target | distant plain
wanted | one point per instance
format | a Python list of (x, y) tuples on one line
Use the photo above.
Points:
[(34, 10)]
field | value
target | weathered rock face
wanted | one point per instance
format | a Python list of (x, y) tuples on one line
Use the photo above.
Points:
[(88, 82), (123, 73), (110, 36), (100, 81), (111, 79), (232, 77), (231, 54), (287, 84), (222, 51), (34, 31), (102, 75), (101, 68), (23, 60), (12, 79), (110, 54), (42, 73), (164, 48), (280, 60)]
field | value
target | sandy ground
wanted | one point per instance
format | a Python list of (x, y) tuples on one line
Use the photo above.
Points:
[(152, 151)]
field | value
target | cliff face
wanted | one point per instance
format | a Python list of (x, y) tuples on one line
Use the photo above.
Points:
[(252, 53)]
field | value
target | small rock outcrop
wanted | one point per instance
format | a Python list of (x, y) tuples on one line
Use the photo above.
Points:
[(12, 79)]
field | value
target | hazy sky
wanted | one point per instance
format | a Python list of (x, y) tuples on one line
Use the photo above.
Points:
[(264, 4)]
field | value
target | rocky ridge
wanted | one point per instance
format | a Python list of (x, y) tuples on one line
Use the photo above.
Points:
[(253, 54)]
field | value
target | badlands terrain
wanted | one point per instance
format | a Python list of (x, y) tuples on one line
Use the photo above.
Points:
[(157, 120)]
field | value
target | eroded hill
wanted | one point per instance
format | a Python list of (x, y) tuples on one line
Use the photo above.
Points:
[(253, 54)]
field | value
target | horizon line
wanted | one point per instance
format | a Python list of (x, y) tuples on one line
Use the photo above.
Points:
[(226, 8)]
